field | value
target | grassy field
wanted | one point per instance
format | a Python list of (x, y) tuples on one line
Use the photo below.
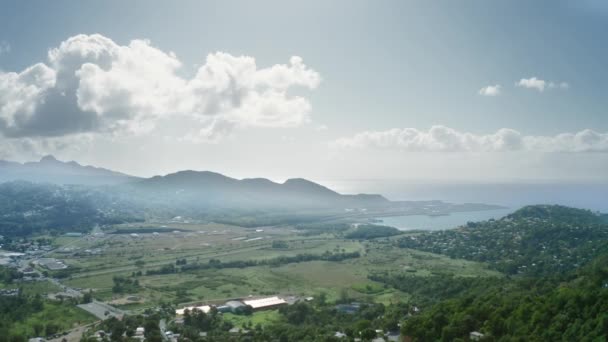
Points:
[(123, 254), (260, 317), (34, 287)]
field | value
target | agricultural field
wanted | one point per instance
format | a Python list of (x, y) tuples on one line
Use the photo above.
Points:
[(137, 251)]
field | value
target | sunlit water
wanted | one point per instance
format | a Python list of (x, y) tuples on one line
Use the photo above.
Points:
[(424, 222)]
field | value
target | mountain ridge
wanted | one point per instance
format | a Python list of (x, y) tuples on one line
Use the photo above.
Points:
[(50, 170), (207, 188)]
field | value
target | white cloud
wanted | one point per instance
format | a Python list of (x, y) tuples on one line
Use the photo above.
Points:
[(445, 139), (532, 83), (491, 90), (4, 47), (92, 84), (540, 85)]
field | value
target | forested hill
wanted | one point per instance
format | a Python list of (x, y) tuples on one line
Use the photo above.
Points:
[(27, 208), (534, 240), (571, 307), (560, 255), (557, 213)]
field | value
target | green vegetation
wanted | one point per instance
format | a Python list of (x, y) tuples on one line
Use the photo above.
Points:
[(535, 240), (128, 326), (24, 316), (568, 308), (262, 318), (317, 321), (425, 291), (437, 285), (125, 285), (370, 231)]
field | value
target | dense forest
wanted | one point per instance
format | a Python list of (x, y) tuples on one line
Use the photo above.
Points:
[(371, 231), (571, 307)]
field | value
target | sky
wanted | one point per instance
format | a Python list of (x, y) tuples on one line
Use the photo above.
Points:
[(440, 91)]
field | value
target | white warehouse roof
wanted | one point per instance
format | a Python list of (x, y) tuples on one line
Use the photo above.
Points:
[(263, 302), (204, 308)]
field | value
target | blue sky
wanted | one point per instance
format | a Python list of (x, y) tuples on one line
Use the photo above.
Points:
[(383, 65)]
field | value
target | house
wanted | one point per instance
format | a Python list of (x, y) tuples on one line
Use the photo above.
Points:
[(265, 303), (475, 336), (140, 333), (236, 330)]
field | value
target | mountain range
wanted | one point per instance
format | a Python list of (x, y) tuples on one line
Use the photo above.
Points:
[(188, 188), (51, 170)]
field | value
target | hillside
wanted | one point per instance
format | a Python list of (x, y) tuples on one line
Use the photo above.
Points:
[(568, 308), (214, 190), (27, 208), (534, 240), (51, 170)]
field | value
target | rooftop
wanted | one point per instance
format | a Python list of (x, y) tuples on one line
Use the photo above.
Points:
[(203, 308), (264, 302)]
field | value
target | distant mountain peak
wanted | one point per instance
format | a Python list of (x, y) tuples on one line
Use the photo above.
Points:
[(49, 158), (51, 170)]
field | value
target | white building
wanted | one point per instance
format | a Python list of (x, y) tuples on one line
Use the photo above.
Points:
[(265, 303), (203, 308)]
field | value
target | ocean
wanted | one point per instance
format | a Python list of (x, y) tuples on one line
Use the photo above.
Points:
[(593, 196), (453, 220)]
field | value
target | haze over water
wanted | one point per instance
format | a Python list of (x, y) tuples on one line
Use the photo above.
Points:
[(593, 196)]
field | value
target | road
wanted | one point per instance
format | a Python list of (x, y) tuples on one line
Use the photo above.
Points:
[(163, 329)]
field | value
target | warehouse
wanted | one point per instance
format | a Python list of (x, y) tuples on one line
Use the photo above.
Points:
[(265, 303), (203, 308)]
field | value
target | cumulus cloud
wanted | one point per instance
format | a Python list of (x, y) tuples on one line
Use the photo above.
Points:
[(540, 85), (445, 139), (92, 84), (491, 90)]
